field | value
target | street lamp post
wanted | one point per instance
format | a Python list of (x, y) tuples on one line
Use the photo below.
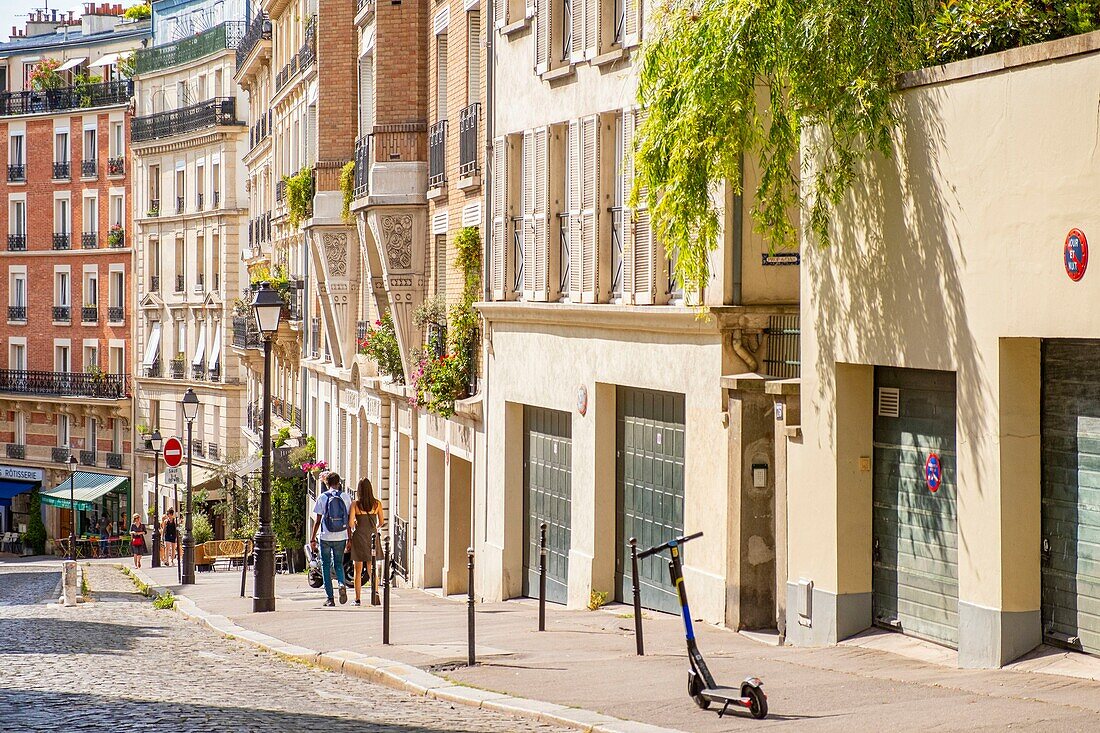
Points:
[(156, 442), (190, 405), (72, 507), (267, 307)]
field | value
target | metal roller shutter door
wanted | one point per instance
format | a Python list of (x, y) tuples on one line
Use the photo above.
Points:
[(547, 491), (915, 563)]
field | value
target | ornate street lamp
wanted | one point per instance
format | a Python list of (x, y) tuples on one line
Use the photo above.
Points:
[(190, 406), (267, 307), (72, 507), (156, 442)]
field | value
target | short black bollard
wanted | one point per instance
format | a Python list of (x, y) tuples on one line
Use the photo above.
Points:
[(374, 601), (636, 591), (471, 657), (244, 563), (386, 590), (542, 577)]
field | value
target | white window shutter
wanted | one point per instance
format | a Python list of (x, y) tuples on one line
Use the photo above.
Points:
[(628, 286), (591, 44), (500, 17), (525, 258), (576, 30), (632, 23), (589, 205), (572, 223), (501, 227), (473, 53), (541, 249), (646, 253), (542, 37)]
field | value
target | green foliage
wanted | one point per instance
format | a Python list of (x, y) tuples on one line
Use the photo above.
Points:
[(282, 436), (164, 601), (597, 599), (380, 344), (142, 587), (299, 196), (432, 312), (201, 529), (125, 64), (305, 453), (82, 84), (141, 11), (347, 187), (288, 517), (35, 536)]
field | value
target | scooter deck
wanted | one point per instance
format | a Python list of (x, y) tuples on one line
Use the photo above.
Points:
[(732, 695)]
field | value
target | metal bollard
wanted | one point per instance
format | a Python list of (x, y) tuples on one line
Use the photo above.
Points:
[(636, 591), (471, 657), (542, 577), (244, 563), (386, 590), (374, 601)]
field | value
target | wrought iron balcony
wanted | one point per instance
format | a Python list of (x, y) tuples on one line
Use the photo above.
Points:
[(152, 371), (258, 30), (87, 457), (362, 166), (65, 384), (77, 97), (154, 283), (61, 240), (315, 337), (225, 35), (212, 112), (89, 314), (361, 328), (245, 333), (114, 460), (17, 242), (216, 374), (181, 284), (213, 450), (17, 172), (261, 130), (179, 368), (61, 312), (198, 372), (60, 454), (116, 314), (116, 166), (17, 451), (89, 168), (198, 202), (89, 240), (215, 199), (467, 140), (61, 170), (179, 204), (437, 154), (308, 52), (17, 313), (200, 282)]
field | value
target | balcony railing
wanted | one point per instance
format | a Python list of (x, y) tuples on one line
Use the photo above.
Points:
[(225, 35), (60, 454), (217, 111), (198, 202), (89, 168), (116, 166), (61, 312), (114, 460), (215, 199), (181, 284), (87, 457), (65, 384), (61, 240), (362, 166), (260, 130), (300, 60), (198, 449), (17, 242), (179, 204), (437, 154), (55, 100), (315, 337), (89, 240), (153, 370), (213, 450), (467, 140), (179, 368), (258, 30), (17, 451), (89, 314), (200, 282), (154, 283), (17, 172), (116, 314), (17, 313), (61, 170), (245, 333)]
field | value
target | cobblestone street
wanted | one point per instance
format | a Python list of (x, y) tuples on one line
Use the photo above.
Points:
[(117, 664)]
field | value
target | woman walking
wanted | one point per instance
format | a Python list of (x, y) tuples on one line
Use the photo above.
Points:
[(366, 518), (137, 539), (169, 531)]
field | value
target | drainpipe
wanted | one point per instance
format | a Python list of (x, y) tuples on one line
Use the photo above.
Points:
[(738, 231)]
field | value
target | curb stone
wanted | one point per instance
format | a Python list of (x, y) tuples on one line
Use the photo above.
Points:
[(410, 679)]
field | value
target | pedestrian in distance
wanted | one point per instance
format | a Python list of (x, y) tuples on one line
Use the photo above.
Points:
[(331, 513), (366, 518), (137, 539), (169, 530)]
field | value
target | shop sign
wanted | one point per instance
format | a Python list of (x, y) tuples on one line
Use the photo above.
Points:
[(1076, 254), (18, 473), (933, 472)]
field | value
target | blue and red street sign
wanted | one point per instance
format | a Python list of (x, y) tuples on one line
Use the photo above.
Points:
[(1076, 254), (933, 472)]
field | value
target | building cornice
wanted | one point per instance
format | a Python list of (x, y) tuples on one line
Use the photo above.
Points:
[(187, 141)]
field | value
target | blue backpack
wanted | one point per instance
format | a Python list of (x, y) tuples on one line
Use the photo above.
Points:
[(336, 514)]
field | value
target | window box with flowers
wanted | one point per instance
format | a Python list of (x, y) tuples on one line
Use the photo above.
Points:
[(116, 236), (380, 345)]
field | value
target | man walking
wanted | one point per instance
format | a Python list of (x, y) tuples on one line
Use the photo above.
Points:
[(330, 515)]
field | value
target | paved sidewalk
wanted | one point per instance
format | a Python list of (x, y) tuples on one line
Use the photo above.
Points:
[(586, 660)]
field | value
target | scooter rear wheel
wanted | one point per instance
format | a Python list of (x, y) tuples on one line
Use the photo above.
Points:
[(759, 703)]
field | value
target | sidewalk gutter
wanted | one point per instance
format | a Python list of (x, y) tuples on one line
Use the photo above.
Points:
[(408, 678)]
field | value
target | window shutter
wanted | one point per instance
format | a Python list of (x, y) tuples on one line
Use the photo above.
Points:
[(540, 255), (591, 44), (500, 19), (572, 223), (525, 258), (542, 37), (501, 246), (473, 51), (632, 22), (589, 205), (646, 252), (628, 286), (576, 30)]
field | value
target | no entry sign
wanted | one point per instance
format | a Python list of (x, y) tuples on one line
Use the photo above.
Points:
[(1076, 254), (933, 472), (173, 452)]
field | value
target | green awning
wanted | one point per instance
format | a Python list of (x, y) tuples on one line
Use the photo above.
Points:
[(87, 487)]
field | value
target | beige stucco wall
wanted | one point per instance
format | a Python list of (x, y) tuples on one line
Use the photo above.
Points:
[(948, 255)]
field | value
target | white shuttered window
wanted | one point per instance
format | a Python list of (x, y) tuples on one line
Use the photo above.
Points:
[(643, 257)]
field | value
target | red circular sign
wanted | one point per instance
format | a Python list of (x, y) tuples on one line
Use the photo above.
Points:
[(173, 452), (933, 472), (1076, 254)]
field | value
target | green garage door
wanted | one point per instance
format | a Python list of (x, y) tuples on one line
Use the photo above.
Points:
[(649, 489), (547, 470), (915, 585), (1071, 493)]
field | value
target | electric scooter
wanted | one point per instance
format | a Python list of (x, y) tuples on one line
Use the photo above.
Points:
[(701, 685)]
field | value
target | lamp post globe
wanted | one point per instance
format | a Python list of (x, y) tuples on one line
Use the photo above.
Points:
[(190, 406), (267, 307), (72, 507), (156, 442)]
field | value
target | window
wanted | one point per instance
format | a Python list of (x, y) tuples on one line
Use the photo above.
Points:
[(200, 185), (473, 56), (17, 357), (62, 359), (217, 83), (91, 431), (117, 286), (200, 261), (16, 153), (61, 147), (90, 214), (181, 336), (619, 197), (17, 223), (61, 289), (215, 184), (18, 293), (580, 253), (154, 187), (506, 12), (181, 189), (117, 362), (20, 428), (91, 145), (181, 264), (91, 356), (117, 141), (61, 221), (91, 289), (3, 78), (366, 95), (215, 262), (118, 210), (116, 435), (62, 431)]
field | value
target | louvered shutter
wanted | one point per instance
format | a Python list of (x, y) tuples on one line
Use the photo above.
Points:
[(541, 225), (571, 258), (501, 244), (525, 258), (542, 37), (473, 53), (648, 260), (366, 95), (627, 182), (576, 30), (632, 22), (591, 29), (500, 17), (589, 208)]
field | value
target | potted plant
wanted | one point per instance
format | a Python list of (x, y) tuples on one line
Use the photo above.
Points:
[(115, 235)]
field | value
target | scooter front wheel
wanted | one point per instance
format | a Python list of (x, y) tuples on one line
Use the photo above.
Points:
[(694, 688), (758, 701)]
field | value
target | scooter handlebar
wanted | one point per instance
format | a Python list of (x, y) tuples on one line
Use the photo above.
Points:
[(671, 543)]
